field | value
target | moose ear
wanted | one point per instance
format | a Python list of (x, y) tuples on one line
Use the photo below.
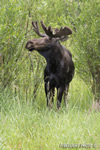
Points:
[(63, 39)]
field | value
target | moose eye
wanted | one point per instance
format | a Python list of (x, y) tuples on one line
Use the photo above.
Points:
[(46, 40)]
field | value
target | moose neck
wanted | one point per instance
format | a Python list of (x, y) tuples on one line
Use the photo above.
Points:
[(51, 52)]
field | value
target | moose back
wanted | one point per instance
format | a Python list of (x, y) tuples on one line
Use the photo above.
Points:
[(59, 70)]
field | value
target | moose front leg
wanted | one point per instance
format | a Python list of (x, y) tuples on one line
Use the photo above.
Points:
[(49, 94), (59, 96)]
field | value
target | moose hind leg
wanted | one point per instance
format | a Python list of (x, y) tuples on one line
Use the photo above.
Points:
[(51, 98), (65, 94), (47, 91)]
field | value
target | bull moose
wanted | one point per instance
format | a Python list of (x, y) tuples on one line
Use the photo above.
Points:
[(60, 68)]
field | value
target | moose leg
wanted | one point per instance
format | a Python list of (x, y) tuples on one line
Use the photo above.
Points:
[(49, 94), (65, 94), (53, 94), (51, 98), (47, 91), (59, 96)]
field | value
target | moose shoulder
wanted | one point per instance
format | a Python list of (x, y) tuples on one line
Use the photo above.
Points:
[(60, 67)]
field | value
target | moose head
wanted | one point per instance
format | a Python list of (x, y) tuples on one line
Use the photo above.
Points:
[(49, 38), (60, 67)]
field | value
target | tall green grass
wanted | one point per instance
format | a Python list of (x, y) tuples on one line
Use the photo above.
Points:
[(25, 125), (29, 129)]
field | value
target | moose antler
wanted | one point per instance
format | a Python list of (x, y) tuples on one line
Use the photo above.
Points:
[(36, 29), (61, 33)]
